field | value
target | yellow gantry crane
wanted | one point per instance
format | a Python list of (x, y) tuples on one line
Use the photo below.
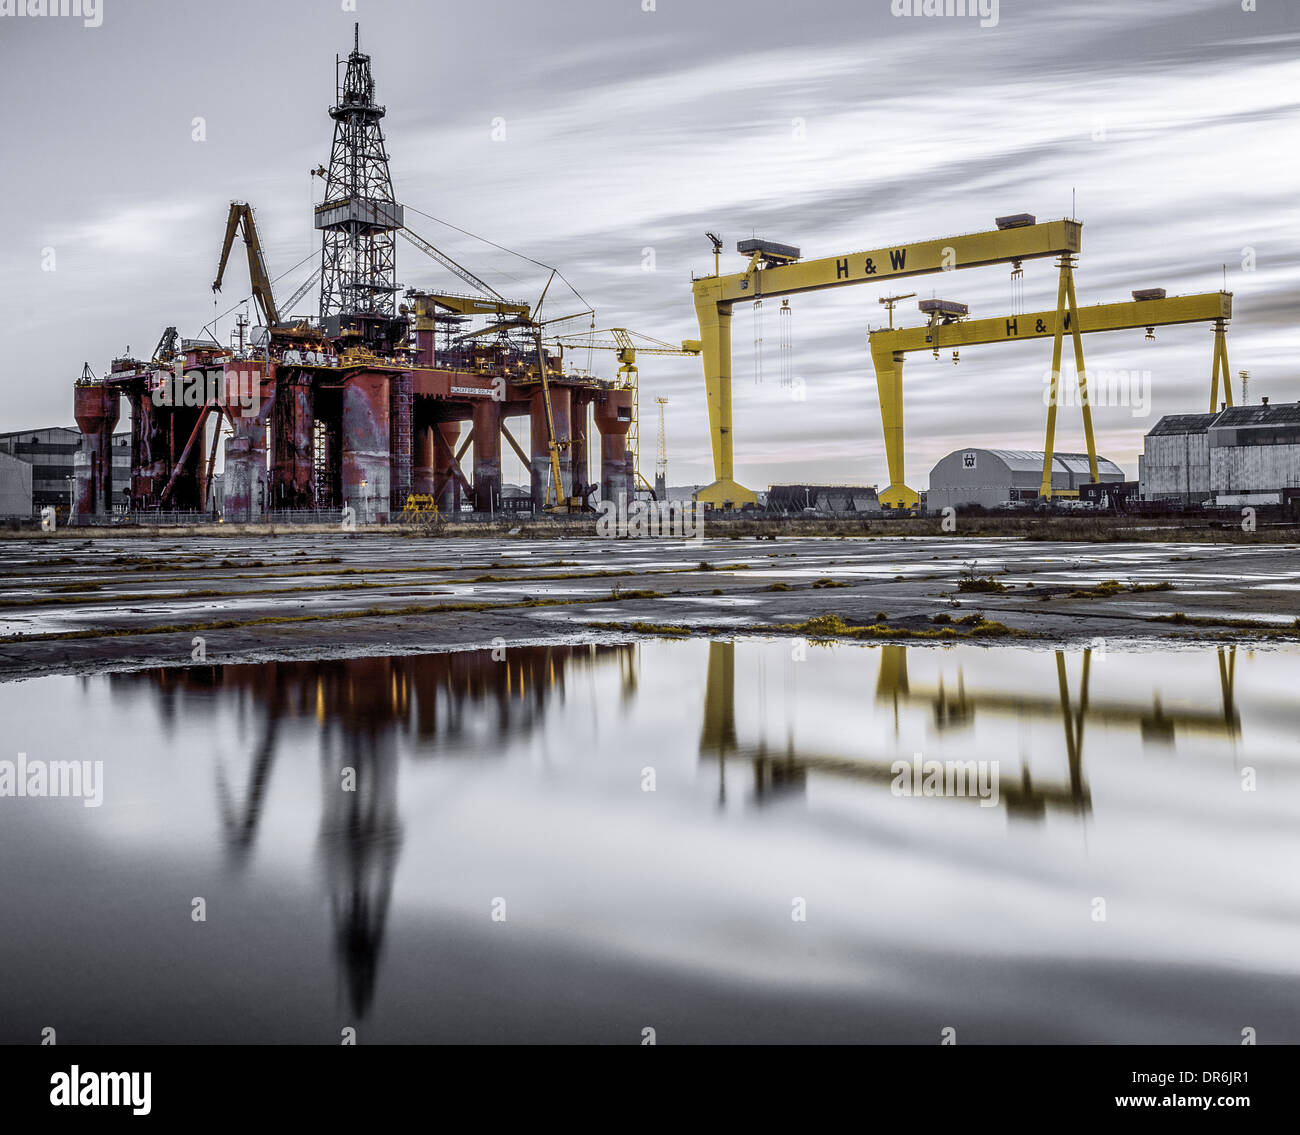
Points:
[(948, 329), (627, 344), (777, 270)]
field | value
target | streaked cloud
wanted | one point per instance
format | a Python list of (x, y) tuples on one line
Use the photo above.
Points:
[(1170, 124)]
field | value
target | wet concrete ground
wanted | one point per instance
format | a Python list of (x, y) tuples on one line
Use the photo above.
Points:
[(69, 606)]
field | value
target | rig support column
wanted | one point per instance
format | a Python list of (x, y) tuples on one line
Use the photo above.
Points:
[(292, 419), (614, 419), (366, 458), (423, 459), (540, 465), (487, 455), (579, 466), (246, 472), (424, 345), (96, 411), (148, 450)]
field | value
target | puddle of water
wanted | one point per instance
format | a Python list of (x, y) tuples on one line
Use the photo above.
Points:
[(575, 842), (1281, 620), (836, 570), (713, 600)]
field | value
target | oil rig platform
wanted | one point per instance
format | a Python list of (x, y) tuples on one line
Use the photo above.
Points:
[(362, 406)]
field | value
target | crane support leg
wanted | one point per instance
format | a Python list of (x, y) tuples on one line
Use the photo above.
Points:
[(1222, 337), (1045, 489), (1227, 680), (1082, 374), (1220, 367), (889, 385), (715, 335), (1214, 375)]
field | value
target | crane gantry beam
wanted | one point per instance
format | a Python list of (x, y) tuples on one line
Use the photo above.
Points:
[(774, 270), (1125, 316), (889, 346)]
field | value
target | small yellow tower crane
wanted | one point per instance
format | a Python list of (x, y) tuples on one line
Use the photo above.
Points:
[(627, 344), (661, 458)]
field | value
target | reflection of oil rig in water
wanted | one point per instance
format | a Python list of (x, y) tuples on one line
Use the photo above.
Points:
[(363, 406), (778, 771), (361, 706), (441, 701)]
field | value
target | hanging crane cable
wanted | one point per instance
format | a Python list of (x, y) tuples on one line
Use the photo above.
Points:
[(787, 343), (217, 318), (502, 248)]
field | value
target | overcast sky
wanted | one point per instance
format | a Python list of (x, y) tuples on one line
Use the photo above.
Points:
[(1174, 122)]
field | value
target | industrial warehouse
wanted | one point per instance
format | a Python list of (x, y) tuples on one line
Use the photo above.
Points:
[(992, 477), (1239, 456), (634, 524)]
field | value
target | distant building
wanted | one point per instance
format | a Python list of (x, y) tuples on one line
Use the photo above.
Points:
[(51, 452), (993, 477), (1111, 496), (1175, 463), (15, 487), (834, 500), (1242, 455), (515, 498)]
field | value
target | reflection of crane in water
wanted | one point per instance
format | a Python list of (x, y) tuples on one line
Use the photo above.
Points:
[(193, 690), (360, 707), (239, 823), (782, 771), (1156, 722)]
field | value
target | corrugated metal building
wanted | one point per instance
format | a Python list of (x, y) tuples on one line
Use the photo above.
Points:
[(1255, 454), (1175, 462), (51, 452), (992, 477), (15, 487), (830, 499), (1241, 455)]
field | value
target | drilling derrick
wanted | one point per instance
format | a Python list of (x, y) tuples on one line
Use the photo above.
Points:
[(359, 218)]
